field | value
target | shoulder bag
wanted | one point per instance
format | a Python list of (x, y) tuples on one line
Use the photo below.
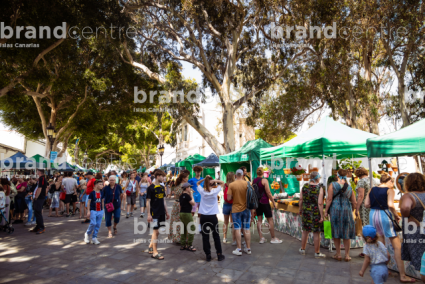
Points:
[(110, 206), (397, 227), (344, 188), (423, 206)]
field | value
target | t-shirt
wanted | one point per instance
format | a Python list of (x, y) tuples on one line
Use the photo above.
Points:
[(185, 206), (237, 190), (96, 201), (138, 178), (90, 186), (156, 195), (42, 183), (69, 184), (377, 252), (209, 204), (132, 186), (143, 187), (193, 182)]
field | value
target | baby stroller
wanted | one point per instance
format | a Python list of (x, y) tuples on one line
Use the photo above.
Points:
[(8, 226)]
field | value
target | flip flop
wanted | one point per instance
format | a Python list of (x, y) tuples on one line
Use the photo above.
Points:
[(191, 248), (158, 256), (339, 258), (411, 281)]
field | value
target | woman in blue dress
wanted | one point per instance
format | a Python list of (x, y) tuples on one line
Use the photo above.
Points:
[(341, 200)]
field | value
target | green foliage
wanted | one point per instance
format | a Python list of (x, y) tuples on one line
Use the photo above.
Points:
[(348, 164)]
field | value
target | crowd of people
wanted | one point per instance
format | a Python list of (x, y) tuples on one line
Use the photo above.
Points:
[(111, 196)]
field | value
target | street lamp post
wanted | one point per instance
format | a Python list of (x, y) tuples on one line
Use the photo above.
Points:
[(161, 152)]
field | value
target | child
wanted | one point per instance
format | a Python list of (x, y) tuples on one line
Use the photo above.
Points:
[(83, 197), (186, 202), (94, 212), (376, 255)]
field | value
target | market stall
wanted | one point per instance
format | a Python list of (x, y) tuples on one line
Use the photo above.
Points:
[(209, 165), (248, 155), (19, 163), (326, 140), (407, 141), (189, 163)]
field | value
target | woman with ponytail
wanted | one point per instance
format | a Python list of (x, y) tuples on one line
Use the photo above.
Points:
[(175, 213)]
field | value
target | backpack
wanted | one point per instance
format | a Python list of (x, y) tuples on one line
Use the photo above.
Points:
[(257, 190), (251, 198)]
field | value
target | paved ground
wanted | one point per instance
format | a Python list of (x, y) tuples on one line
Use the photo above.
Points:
[(61, 256)]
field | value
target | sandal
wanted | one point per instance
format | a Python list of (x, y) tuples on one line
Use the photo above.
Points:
[(347, 259), (182, 247), (191, 248), (150, 250), (115, 231), (339, 258), (110, 235), (412, 280), (158, 256)]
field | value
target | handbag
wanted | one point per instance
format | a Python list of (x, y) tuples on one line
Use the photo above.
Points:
[(344, 188), (327, 229), (62, 196), (359, 226), (110, 206), (397, 227)]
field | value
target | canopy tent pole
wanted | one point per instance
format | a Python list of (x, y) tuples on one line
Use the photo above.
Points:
[(324, 170), (250, 165), (398, 166), (371, 172), (420, 164)]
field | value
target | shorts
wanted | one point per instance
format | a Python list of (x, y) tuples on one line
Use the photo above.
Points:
[(142, 200), (194, 207), (264, 209), (157, 223), (227, 209), (84, 198), (131, 199), (242, 220), (70, 198), (379, 273)]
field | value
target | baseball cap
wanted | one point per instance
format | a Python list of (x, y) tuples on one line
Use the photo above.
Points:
[(186, 185), (89, 173), (369, 231), (239, 172)]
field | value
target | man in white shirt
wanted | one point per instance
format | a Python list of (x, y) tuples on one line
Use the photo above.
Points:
[(70, 185)]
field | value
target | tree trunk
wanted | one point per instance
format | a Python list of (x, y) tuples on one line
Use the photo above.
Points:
[(402, 101), (228, 127)]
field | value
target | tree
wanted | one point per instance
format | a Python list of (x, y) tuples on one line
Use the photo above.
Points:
[(221, 39)]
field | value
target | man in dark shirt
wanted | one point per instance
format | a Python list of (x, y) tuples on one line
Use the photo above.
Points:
[(157, 209), (39, 199)]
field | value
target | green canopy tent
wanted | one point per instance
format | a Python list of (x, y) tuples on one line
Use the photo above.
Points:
[(407, 141), (40, 160), (326, 138), (248, 155), (190, 161)]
